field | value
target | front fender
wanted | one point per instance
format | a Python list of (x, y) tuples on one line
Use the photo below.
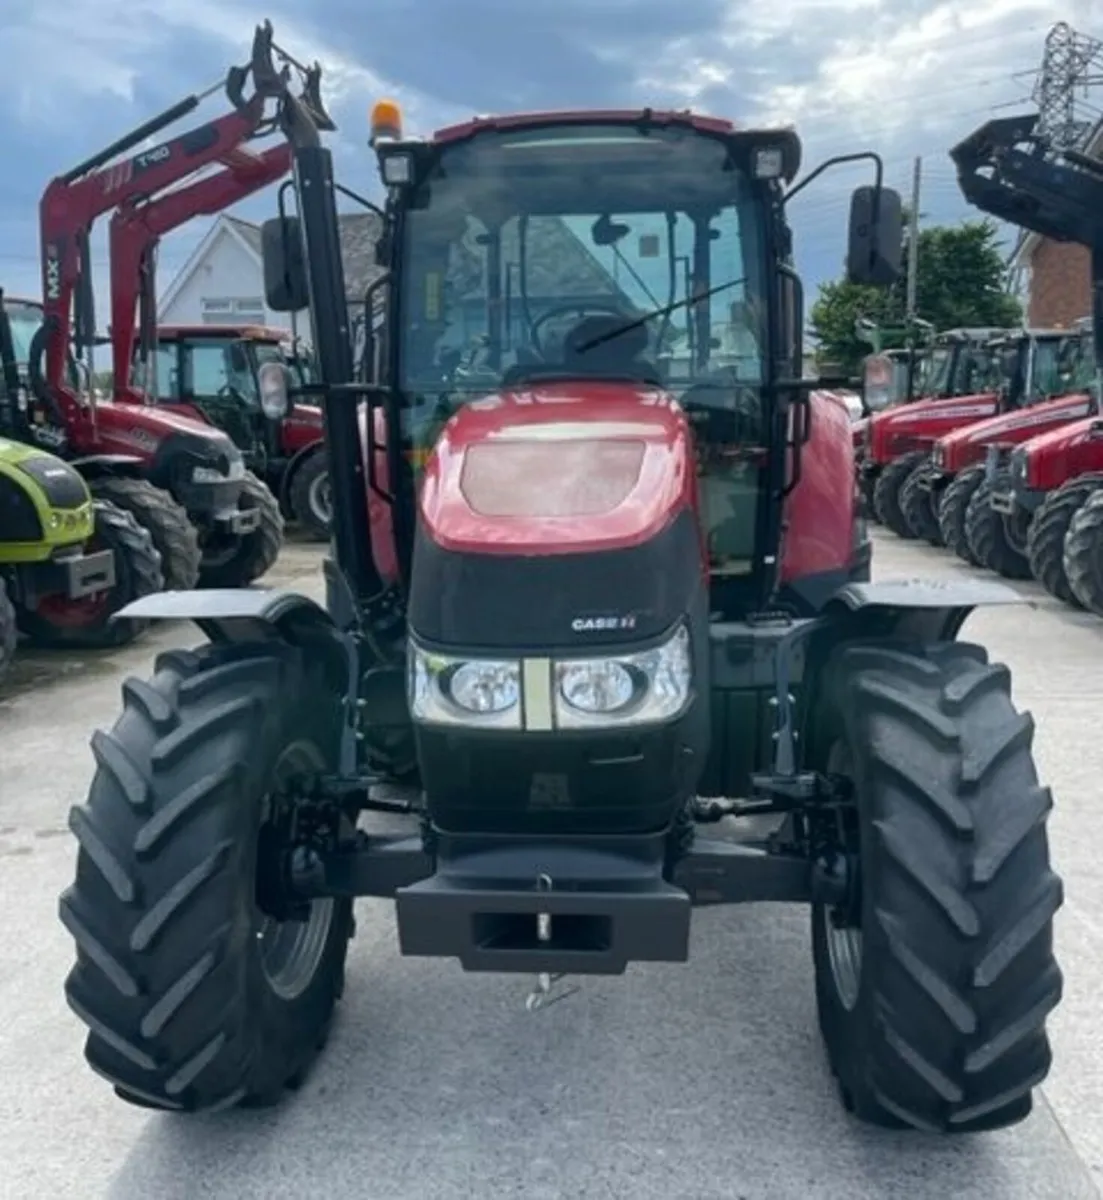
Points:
[(242, 615), (925, 609)]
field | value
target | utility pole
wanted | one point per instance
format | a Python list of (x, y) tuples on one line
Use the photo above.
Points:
[(913, 272)]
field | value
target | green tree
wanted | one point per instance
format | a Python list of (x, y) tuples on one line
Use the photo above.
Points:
[(961, 282)]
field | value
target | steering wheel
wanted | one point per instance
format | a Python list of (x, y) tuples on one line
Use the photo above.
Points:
[(740, 420), (580, 308)]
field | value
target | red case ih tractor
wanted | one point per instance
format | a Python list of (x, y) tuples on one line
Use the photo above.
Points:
[(620, 600), (899, 439), (1037, 382), (183, 480)]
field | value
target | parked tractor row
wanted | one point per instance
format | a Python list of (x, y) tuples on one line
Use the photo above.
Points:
[(1006, 476), (184, 476)]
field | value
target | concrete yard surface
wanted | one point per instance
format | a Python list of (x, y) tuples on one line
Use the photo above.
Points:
[(698, 1082)]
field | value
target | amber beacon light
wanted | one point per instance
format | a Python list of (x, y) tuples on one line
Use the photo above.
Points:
[(386, 121)]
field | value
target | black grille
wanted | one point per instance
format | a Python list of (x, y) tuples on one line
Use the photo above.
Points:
[(64, 487), (18, 517)]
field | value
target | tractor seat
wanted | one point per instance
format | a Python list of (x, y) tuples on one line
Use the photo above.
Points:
[(618, 357)]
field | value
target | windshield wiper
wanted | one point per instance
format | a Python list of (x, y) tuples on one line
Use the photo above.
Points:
[(666, 310)]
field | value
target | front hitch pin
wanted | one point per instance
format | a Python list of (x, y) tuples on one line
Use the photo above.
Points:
[(541, 996)]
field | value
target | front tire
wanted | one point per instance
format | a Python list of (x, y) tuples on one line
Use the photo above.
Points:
[(886, 492), (254, 554), (1045, 542), (167, 522), (940, 1023), (175, 975), (1084, 554), (986, 533), (311, 499), (919, 507), (85, 624), (8, 630), (952, 508)]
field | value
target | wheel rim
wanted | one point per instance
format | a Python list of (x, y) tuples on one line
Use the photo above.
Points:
[(290, 951), (844, 952), (844, 943), (320, 499)]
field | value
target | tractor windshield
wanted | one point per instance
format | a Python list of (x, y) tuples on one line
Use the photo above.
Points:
[(524, 244), (24, 319)]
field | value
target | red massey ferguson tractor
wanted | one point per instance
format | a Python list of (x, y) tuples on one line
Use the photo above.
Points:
[(899, 439), (183, 480), (1035, 374), (617, 602), (1010, 169)]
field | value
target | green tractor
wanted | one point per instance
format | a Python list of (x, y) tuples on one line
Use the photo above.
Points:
[(67, 563)]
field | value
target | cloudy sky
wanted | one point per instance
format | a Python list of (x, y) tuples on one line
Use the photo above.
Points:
[(904, 77)]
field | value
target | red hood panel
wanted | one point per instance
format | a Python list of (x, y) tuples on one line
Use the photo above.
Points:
[(1021, 422), (947, 409), (559, 468)]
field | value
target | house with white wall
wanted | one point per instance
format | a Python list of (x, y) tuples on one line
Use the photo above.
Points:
[(222, 282)]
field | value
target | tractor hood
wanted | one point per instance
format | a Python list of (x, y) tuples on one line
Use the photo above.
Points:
[(966, 445), (910, 427), (559, 468), (154, 419)]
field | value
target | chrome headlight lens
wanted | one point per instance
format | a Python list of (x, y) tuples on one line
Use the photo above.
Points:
[(632, 689), (539, 695), (484, 693), (938, 455), (233, 470)]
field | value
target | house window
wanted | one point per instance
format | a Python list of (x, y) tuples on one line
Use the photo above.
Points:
[(225, 310)]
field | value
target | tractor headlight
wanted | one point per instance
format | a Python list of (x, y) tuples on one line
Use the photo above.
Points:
[(644, 688), (484, 693), (227, 470), (631, 689), (938, 456)]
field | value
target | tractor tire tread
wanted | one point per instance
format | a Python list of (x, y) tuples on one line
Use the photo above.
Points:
[(952, 509), (886, 492), (1046, 539), (259, 549), (305, 475), (138, 573), (986, 538), (162, 846), (167, 522), (959, 974), (9, 633), (1083, 554), (917, 507)]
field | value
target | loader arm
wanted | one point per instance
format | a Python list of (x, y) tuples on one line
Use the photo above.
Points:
[(137, 227), (74, 200), (1006, 168)]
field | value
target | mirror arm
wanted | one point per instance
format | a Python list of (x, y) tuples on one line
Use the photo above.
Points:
[(834, 161)]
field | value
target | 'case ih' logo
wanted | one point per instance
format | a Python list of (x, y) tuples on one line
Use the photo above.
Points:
[(603, 624)]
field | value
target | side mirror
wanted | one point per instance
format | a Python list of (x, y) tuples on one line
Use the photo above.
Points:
[(274, 384), (285, 283), (876, 241), (877, 383)]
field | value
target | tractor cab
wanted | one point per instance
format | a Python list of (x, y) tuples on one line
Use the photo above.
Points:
[(21, 416), (532, 279), (1030, 366), (958, 363), (213, 372)]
